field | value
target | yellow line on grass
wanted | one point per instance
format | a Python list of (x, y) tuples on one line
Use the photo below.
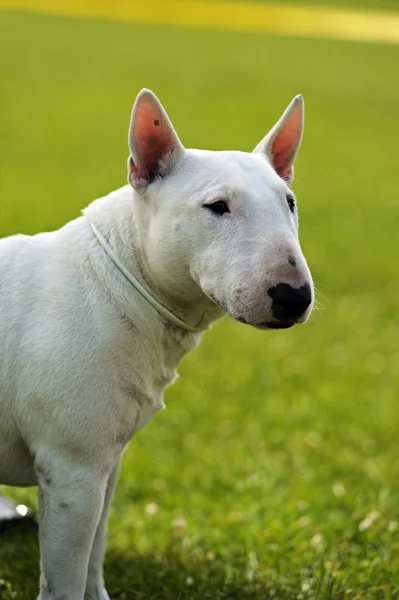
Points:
[(279, 18)]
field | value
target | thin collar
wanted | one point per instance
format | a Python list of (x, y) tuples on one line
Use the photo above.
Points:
[(160, 308)]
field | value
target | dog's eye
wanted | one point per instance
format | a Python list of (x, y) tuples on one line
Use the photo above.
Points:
[(291, 202), (219, 207)]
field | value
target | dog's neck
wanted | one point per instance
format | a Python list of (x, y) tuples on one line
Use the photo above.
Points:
[(114, 217)]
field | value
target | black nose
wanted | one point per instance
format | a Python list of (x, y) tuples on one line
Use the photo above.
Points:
[(289, 303)]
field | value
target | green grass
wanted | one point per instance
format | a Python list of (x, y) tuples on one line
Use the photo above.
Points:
[(275, 446)]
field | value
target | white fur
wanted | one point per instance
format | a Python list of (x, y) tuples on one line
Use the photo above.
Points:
[(84, 359)]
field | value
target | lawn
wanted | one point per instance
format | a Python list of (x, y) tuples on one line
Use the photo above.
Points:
[(274, 472)]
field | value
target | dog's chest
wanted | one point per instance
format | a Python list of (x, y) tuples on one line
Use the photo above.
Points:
[(144, 367)]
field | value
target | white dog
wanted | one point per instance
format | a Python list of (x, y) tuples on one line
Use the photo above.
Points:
[(95, 317)]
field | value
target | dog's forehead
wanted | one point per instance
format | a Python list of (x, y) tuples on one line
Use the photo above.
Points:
[(241, 172)]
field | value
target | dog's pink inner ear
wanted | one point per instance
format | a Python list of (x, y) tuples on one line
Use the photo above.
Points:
[(285, 144), (153, 137)]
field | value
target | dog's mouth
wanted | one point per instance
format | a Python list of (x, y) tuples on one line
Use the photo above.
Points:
[(276, 325), (268, 324), (265, 325)]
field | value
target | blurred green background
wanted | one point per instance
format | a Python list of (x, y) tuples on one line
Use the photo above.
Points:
[(259, 480)]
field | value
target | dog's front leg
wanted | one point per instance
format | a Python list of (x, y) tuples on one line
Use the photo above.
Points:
[(95, 589), (70, 504)]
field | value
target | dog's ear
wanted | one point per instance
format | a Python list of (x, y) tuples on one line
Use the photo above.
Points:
[(153, 143), (282, 142)]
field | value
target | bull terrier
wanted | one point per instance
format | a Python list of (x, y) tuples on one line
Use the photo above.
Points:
[(95, 317)]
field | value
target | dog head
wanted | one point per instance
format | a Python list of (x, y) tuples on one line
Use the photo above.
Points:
[(221, 224)]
